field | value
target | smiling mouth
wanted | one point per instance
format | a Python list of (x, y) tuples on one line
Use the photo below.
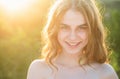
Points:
[(73, 44)]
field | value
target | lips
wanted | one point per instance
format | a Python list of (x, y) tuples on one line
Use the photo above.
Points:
[(73, 44)]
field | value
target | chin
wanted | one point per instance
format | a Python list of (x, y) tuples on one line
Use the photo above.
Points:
[(73, 52)]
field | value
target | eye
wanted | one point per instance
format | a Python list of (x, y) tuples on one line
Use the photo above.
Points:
[(82, 28), (63, 27)]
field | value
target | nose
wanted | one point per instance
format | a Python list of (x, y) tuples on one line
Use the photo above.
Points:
[(72, 36)]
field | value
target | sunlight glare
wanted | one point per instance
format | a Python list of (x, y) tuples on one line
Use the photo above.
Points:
[(15, 5)]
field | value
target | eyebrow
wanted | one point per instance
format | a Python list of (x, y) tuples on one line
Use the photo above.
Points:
[(84, 24)]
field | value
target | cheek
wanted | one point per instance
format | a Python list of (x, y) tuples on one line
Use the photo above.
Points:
[(83, 35), (62, 35)]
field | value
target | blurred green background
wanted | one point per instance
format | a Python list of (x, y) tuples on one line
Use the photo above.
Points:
[(20, 35)]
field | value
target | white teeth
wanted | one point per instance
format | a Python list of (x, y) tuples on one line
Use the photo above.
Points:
[(73, 44)]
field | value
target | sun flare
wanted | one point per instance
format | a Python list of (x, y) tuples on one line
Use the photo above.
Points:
[(15, 5), (22, 14)]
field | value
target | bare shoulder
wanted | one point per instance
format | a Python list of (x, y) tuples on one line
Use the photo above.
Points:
[(38, 69), (106, 71)]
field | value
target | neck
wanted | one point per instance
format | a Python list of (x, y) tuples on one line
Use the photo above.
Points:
[(68, 60)]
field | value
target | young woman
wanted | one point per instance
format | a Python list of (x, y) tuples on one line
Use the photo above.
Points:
[(74, 44)]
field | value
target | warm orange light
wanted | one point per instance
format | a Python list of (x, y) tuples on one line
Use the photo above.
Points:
[(15, 5), (23, 14)]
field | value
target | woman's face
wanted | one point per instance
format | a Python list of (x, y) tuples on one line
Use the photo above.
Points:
[(73, 32)]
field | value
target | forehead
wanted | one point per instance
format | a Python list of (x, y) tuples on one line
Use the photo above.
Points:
[(73, 18)]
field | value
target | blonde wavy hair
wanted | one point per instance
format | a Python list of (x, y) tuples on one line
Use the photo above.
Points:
[(95, 51)]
